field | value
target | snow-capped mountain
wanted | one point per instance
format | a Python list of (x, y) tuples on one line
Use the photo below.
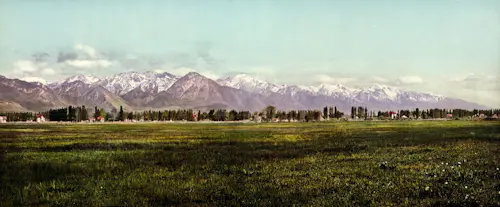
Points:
[(148, 81), (249, 83), (383, 93), (81, 78), (150, 90), (336, 91)]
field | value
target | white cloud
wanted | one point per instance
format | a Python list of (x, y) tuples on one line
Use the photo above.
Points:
[(90, 51), (181, 71), (210, 75), (377, 79), (34, 79), (185, 70), (409, 80), (48, 71), (89, 63), (25, 66), (334, 80)]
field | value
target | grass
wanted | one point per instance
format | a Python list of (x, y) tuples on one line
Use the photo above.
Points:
[(440, 163)]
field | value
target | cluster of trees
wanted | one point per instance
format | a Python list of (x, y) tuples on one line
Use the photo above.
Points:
[(19, 116), (332, 113), (439, 113), (360, 112), (270, 113), (80, 113)]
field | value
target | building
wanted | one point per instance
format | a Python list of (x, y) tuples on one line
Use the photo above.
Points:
[(449, 116), (40, 118), (3, 119), (393, 115)]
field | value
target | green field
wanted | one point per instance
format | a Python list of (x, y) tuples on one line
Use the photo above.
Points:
[(278, 164)]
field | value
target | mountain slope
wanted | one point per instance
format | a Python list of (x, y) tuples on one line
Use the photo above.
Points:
[(80, 93), (196, 91), (18, 95)]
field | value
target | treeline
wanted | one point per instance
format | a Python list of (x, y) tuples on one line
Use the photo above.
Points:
[(268, 114), (439, 113)]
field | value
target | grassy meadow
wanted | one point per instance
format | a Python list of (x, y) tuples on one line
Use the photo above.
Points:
[(427, 163)]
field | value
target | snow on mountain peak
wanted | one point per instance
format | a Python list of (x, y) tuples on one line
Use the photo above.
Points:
[(83, 78), (147, 81), (248, 83)]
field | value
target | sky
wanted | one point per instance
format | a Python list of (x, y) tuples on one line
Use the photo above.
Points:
[(448, 47)]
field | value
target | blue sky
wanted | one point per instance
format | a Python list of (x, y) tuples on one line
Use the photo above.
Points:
[(444, 46)]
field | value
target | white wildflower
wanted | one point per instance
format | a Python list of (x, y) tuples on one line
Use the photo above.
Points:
[(446, 183), (459, 163), (427, 188), (465, 187)]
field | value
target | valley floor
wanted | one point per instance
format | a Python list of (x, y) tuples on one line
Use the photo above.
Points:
[(234, 164)]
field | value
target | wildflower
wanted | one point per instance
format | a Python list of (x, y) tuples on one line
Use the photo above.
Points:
[(498, 168), (427, 188), (465, 187), (446, 183), (452, 167), (467, 196), (465, 160), (442, 163), (446, 163), (459, 163), (444, 170)]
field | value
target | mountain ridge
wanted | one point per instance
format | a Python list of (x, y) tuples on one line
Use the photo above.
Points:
[(137, 91)]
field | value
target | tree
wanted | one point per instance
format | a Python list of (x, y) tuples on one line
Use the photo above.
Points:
[(103, 113), (269, 111), (96, 113), (325, 113), (121, 115), (84, 115)]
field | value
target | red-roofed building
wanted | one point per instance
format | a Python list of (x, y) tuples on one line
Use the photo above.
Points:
[(40, 118), (393, 114)]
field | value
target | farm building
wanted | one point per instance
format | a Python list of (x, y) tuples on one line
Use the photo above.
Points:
[(40, 118), (3, 119), (449, 116), (100, 119), (393, 114)]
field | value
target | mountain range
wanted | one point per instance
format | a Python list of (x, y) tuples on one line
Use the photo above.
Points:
[(158, 91)]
